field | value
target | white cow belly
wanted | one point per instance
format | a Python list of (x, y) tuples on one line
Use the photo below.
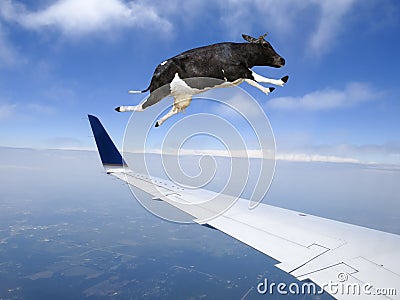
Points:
[(180, 88), (183, 93), (182, 102)]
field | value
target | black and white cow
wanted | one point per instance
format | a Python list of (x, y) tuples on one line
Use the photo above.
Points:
[(231, 63)]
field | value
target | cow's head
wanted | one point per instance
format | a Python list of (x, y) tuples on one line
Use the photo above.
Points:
[(267, 54)]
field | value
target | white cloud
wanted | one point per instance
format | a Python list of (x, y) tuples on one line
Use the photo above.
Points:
[(353, 94), (11, 111), (271, 15), (295, 156), (76, 17), (304, 157), (388, 153), (255, 153), (326, 19), (40, 109), (385, 154), (331, 21), (370, 154), (319, 22), (8, 54)]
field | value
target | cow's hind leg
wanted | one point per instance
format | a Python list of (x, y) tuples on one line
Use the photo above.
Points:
[(154, 97), (278, 82), (129, 108), (172, 112)]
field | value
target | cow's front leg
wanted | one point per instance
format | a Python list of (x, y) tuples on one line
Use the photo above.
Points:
[(172, 112), (278, 82), (259, 86), (129, 108)]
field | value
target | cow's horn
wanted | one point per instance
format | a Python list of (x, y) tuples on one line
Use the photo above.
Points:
[(261, 37)]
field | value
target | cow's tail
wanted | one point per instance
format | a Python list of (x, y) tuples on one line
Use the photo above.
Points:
[(139, 92)]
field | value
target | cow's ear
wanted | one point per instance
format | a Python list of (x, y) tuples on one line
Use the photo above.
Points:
[(248, 38)]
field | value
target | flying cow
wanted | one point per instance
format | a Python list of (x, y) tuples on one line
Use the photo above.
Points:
[(231, 63)]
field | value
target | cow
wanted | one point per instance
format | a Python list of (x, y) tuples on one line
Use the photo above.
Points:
[(228, 63)]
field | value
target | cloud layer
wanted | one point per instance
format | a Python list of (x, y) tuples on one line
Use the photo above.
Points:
[(315, 24), (75, 17), (8, 54), (321, 21), (353, 94), (387, 154)]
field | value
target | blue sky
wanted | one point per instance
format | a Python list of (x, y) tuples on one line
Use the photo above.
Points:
[(60, 60)]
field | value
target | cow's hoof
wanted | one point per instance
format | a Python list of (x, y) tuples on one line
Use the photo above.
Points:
[(157, 124), (118, 109), (271, 89), (285, 78)]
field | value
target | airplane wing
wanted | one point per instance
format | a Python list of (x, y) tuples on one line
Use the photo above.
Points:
[(344, 259)]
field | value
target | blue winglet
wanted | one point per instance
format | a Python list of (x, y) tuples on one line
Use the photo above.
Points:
[(109, 154)]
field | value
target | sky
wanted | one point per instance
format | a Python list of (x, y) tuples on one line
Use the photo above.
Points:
[(61, 60), (335, 123)]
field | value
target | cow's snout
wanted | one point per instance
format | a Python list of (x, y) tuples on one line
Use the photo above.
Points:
[(282, 61)]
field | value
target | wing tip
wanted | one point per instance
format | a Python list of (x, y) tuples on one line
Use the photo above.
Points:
[(109, 154)]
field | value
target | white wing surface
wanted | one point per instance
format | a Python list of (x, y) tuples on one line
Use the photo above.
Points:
[(347, 261)]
